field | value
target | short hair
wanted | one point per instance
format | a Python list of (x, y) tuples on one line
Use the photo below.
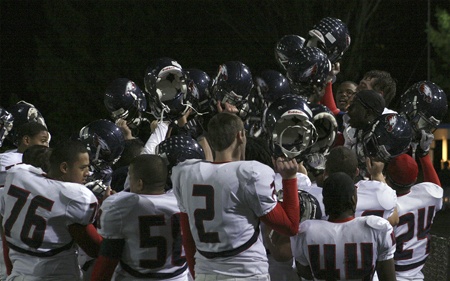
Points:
[(222, 130), (30, 129), (337, 191), (151, 169), (67, 151), (342, 159), (383, 83), (132, 148), (258, 149), (38, 156)]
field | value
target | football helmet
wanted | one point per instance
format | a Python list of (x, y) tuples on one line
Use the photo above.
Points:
[(390, 136), (286, 47), (232, 84), (6, 124), (307, 71), (23, 112), (202, 83), (179, 148), (309, 205), (104, 141), (167, 86), (425, 105), (288, 125), (271, 85), (331, 35), (125, 100)]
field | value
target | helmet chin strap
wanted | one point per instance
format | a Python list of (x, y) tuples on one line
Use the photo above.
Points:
[(188, 105)]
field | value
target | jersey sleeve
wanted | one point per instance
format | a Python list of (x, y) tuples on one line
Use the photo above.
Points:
[(155, 138), (385, 237), (114, 211), (298, 247), (259, 186), (81, 203)]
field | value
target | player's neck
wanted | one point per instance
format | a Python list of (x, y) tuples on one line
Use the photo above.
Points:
[(343, 217)]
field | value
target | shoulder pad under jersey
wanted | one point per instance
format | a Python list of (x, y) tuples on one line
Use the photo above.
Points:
[(377, 222), (431, 188), (76, 192), (120, 203)]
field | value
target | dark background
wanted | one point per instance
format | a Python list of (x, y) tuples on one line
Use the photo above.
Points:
[(61, 55)]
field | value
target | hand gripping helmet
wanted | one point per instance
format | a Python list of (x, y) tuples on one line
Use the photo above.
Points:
[(104, 141), (424, 104), (326, 127), (166, 83), (271, 85), (332, 36), (308, 69), (309, 205), (6, 124), (125, 100), (232, 83), (288, 125), (23, 112), (390, 136), (202, 83), (286, 47)]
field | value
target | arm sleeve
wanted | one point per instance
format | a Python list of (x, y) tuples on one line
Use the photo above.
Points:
[(328, 99), (285, 217), (110, 253), (188, 242), (87, 238), (155, 138), (429, 173)]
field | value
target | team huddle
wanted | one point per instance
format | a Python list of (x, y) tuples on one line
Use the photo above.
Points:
[(242, 176)]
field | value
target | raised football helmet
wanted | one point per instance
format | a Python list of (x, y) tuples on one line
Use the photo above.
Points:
[(425, 105), (202, 83), (307, 71), (232, 84), (23, 112), (124, 99), (331, 35), (167, 86), (309, 205), (288, 125), (390, 136), (179, 148), (104, 141), (286, 47), (271, 85), (6, 124)]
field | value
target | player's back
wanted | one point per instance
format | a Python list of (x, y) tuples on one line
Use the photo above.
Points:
[(36, 214), (375, 198), (416, 211), (346, 250), (8, 159), (150, 228), (224, 202)]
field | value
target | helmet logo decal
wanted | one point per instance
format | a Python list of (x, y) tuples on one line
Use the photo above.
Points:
[(311, 71), (130, 89), (425, 91), (391, 121), (222, 73)]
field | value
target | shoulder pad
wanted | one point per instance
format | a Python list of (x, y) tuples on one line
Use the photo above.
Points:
[(76, 192), (304, 226), (431, 188), (377, 222), (387, 196), (303, 181), (120, 203)]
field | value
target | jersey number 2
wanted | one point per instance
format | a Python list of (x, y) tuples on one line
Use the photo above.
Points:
[(207, 214)]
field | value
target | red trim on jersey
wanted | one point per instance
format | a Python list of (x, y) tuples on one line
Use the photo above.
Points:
[(285, 217), (328, 99), (429, 173), (104, 268), (188, 242), (223, 162), (342, 220), (8, 262), (87, 238)]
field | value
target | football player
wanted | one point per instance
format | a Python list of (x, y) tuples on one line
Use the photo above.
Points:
[(46, 217), (141, 229), (222, 204)]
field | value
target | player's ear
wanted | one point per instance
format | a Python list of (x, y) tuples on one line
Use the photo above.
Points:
[(63, 167), (240, 136), (140, 185), (26, 140)]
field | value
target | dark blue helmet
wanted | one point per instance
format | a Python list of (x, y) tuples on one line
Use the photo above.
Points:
[(23, 112), (390, 136), (288, 123), (232, 83), (331, 36), (6, 124), (124, 99), (104, 141), (202, 83), (309, 205), (425, 105), (308, 69), (167, 86), (272, 85), (286, 47), (179, 148)]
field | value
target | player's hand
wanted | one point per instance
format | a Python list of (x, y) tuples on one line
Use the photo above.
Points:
[(122, 124), (227, 107), (287, 168), (375, 169), (426, 138)]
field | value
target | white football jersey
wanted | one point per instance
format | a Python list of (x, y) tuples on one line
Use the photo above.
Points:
[(150, 227), (224, 202), (345, 250), (375, 198), (36, 214), (416, 211), (8, 159)]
